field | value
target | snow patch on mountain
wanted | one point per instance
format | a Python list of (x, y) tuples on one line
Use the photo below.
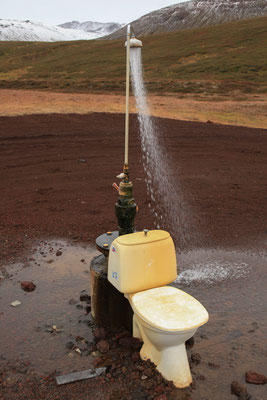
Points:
[(98, 28), (12, 30)]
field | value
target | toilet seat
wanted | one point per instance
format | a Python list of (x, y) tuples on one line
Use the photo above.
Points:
[(169, 309)]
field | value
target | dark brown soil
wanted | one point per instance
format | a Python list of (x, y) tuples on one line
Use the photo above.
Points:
[(57, 172), (56, 177)]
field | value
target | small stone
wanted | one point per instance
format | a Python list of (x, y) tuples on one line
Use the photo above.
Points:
[(69, 345), (200, 377), (213, 365), (15, 303), (190, 343), (148, 372), (255, 378), (28, 286), (161, 397), (97, 361), (71, 355), (121, 335), (159, 389), (103, 346), (84, 296), (146, 384), (135, 356), (130, 342), (240, 391), (143, 377), (100, 333), (79, 338), (55, 329), (124, 370), (196, 358), (78, 350), (58, 253), (88, 309), (72, 302)]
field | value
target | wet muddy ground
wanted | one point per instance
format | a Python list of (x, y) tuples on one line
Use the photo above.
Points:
[(56, 176)]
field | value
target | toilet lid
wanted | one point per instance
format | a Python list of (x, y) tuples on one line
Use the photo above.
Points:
[(168, 308)]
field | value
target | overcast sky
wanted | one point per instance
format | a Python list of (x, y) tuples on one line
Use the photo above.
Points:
[(59, 11)]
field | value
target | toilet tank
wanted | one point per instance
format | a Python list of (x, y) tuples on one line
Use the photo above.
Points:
[(142, 260)]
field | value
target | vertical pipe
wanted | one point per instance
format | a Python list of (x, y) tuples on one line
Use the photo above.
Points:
[(127, 95)]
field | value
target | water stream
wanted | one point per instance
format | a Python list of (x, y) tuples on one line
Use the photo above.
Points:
[(168, 204)]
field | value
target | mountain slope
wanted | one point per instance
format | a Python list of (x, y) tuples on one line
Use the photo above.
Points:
[(98, 28), (217, 59), (195, 14), (13, 30)]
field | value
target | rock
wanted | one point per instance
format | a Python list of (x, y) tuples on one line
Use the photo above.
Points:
[(138, 394), (15, 303), (213, 365), (59, 253), (200, 377), (103, 346), (130, 342), (159, 389), (161, 397), (78, 350), (190, 343), (88, 309), (28, 286), (240, 391), (69, 345), (121, 335), (124, 370), (196, 358), (100, 333), (97, 361), (72, 302), (79, 338), (135, 356), (255, 378), (84, 296), (148, 372)]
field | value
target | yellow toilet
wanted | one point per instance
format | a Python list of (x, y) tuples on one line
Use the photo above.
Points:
[(140, 265)]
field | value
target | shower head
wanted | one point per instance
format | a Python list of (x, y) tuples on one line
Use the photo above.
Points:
[(133, 41)]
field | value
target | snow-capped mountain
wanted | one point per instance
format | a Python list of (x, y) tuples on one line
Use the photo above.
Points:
[(195, 14), (13, 30), (99, 28)]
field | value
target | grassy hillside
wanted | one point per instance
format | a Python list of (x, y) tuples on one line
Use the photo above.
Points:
[(214, 59)]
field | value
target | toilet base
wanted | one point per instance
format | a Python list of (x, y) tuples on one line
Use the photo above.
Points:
[(170, 361)]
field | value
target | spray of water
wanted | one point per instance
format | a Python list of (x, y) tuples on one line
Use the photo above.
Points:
[(168, 205)]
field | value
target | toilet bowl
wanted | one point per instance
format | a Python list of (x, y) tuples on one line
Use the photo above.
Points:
[(164, 319), (140, 266)]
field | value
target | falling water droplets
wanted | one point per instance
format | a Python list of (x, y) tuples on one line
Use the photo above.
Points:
[(170, 209)]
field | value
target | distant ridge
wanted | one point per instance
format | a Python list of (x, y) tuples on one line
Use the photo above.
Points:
[(97, 28), (194, 14)]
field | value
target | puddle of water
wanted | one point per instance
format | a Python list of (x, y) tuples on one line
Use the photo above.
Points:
[(231, 285), (60, 272)]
